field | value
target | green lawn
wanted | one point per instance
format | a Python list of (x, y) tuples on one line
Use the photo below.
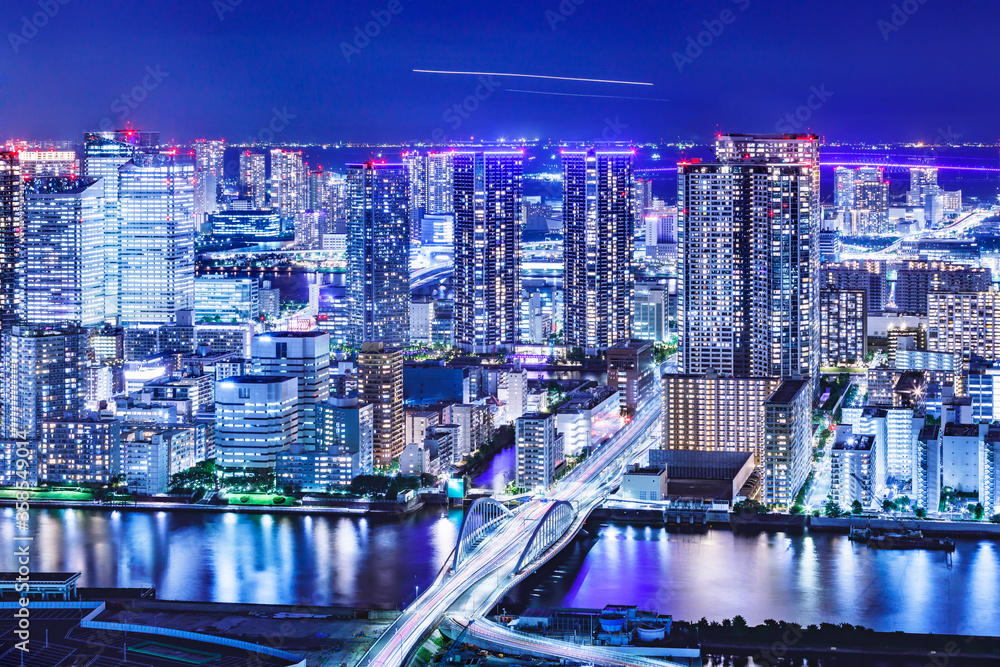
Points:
[(9, 493), (259, 499)]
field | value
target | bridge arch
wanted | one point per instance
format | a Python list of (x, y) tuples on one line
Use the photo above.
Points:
[(553, 525), (482, 517)]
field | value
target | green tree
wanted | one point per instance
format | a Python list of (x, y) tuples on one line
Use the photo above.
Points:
[(978, 511), (920, 512), (832, 509), (888, 505), (856, 507), (739, 624), (995, 518)]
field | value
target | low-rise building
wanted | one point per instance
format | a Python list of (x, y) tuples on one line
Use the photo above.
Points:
[(588, 417), (81, 450), (648, 483), (536, 449), (854, 469)]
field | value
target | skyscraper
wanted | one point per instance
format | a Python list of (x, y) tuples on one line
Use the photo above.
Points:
[(43, 377), (440, 188), (209, 156), (748, 302), (380, 384), (923, 182), (11, 226), (156, 199), (289, 185), (64, 251), (103, 154), (301, 355), (598, 219), (489, 188), (253, 178), (378, 253)]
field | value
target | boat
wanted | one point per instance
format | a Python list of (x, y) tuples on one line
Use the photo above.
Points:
[(911, 539), (859, 534)]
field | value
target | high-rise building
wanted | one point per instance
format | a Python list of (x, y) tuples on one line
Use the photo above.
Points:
[(787, 442), (712, 413), (632, 372), (103, 154), (967, 323), (748, 304), (11, 228), (871, 207), (843, 333), (535, 442), (378, 253), (869, 276), (916, 279), (923, 182), (210, 157), (440, 184), (416, 166), (598, 219), (64, 251), (289, 184), (256, 417), (488, 187), (225, 299), (346, 425), (156, 201), (843, 193), (79, 450), (253, 178), (380, 384), (304, 356), (43, 377), (49, 163)]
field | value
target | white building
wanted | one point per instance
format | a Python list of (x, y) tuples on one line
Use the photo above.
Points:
[(960, 448), (256, 417), (535, 443), (645, 483), (304, 356), (319, 471), (989, 472), (588, 418), (854, 469), (415, 459)]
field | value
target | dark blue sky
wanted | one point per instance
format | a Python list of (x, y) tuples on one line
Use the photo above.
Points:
[(225, 77)]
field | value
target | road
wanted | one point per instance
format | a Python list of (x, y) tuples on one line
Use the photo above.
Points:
[(472, 590)]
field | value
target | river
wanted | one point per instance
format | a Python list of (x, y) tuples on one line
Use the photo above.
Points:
[(327, 560)]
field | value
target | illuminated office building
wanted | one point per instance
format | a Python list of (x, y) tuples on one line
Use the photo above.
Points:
[(965, 323), (305, 356), (869, 276), (256, 418), (289, 182), (787, 453), (156, 200), (11, 226), (103, 154), (488, 188), (226, 299), (210, 157), (917, 279), (923, 184), (598, 219), (378, 253), (49, 163), (843, 332), (63, 251)]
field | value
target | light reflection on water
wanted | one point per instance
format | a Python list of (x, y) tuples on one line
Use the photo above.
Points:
[(331, 560)]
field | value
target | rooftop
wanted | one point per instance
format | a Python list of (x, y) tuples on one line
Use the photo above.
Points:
[(786, 392), (961, 430)]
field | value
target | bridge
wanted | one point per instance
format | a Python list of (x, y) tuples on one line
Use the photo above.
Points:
[(499, 547)]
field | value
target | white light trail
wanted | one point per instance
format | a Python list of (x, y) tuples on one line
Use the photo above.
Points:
[(536, 76)]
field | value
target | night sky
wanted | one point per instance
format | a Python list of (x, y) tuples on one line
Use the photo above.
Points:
[(910, 77)]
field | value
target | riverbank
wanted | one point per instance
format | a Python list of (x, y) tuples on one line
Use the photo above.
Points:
[(777, 640), (369, 509)]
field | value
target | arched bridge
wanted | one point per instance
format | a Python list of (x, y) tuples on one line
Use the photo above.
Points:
[(483, 517), (553, 525)]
